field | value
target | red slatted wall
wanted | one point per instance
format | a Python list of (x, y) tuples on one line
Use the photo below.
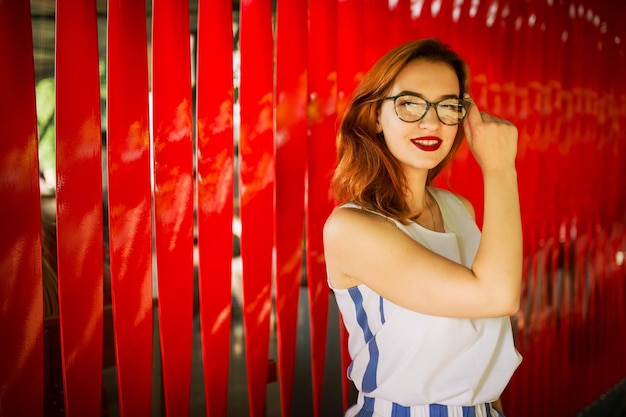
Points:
[(256, 191), (21, 286), (549, 66), (290, 103), (214, 188), (173, 197), (129, 203), (79, 214)]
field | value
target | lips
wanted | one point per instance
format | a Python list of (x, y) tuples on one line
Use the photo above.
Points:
[(427, 143)]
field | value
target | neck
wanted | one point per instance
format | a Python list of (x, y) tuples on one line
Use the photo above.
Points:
[(417, 195)]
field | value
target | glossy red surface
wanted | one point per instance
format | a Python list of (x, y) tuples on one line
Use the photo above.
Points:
[(21, 301), (173, 197), (350, 62), (215, 170), (350, 68), (322, 114), (79, 205), (256, 188), (129, 203), (290, 148)]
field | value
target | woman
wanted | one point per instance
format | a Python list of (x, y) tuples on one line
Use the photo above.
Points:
[(424, 295)]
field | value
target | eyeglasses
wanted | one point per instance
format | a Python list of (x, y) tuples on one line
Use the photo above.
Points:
[(411, 108)]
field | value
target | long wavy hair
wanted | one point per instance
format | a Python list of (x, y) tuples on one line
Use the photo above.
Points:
[(367, 173)]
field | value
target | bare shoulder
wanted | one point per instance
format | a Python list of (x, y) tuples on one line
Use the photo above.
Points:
[(344, 219), (347, 224), (350, 231)]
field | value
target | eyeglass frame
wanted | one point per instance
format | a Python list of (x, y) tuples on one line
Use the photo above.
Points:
[(466, 104)]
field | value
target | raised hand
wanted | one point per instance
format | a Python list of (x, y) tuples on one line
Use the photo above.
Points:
[(493, 141)]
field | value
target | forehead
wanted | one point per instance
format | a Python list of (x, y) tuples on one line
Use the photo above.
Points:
[(428, 78)]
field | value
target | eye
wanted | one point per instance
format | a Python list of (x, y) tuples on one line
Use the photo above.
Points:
[(411, 103), (451, 105)]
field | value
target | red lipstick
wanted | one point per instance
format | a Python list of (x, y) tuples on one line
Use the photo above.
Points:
[(427, 143)]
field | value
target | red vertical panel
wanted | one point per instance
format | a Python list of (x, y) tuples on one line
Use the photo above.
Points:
[(569, 144), (569, 137), (173, 197), (531, 187), (439, 16), (618, 58), (546, 183), (603, 88), (322, 86), (534, 46), (214, 161), (79, 205), (256, 169), (548, 211), (349, 73), (130, 219), (400, 23), (290, 148), (21, 301), (350, 62), (422, 26), (322, 122), (376, 14)]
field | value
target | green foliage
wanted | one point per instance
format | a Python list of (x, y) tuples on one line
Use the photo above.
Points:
[(45, 94)]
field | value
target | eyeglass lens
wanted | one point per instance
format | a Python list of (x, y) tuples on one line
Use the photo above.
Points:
[(412, 108)]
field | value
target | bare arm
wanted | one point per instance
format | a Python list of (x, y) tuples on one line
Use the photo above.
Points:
[(493, 143)]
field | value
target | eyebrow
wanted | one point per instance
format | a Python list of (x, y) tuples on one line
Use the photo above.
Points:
[(413, 93)]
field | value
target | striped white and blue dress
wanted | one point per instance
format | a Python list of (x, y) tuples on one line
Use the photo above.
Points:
[(408, 364)]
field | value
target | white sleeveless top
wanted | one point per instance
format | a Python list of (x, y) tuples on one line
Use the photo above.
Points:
[(408, 359)]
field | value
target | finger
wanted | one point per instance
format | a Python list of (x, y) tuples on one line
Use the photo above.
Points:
[(493, 119), (474, 115), (489, 117)]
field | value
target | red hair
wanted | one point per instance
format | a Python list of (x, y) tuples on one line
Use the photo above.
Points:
[(367, 173)]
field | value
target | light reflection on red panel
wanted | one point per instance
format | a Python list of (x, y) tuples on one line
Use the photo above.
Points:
[(21, 302), (349, 67), (173, 197), (130, 220), (291, 131), (256, 170), (79, 205), (400, 24), (322, 110), (214, 181)]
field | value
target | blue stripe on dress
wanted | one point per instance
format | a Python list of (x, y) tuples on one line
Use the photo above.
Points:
[(361, 314), (382, 311), (469, 411), (369, 383), (438, 410), (398, 410), (434, 410), (368, 408)]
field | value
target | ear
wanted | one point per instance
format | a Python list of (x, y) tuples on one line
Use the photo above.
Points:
[(379, 127)]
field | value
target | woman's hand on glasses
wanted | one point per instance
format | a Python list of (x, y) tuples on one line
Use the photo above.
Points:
[(493, 141)]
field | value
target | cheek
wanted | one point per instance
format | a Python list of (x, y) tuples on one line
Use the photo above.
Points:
[(387, 119), (391, 126), (451, 135)]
